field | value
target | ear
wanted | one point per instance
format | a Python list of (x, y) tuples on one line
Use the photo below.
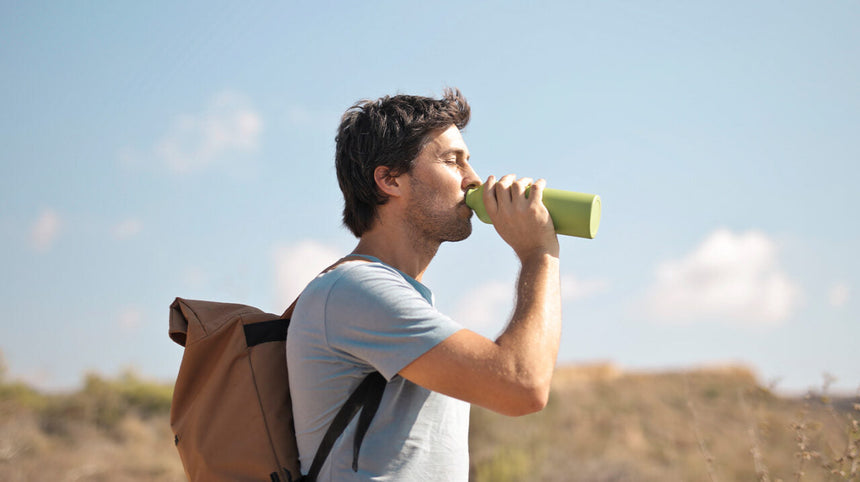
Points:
[(388, 183)]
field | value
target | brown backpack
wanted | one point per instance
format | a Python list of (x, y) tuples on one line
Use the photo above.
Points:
[(231, 413)]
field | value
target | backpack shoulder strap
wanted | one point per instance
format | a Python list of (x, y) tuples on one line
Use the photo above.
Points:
[(366, 398), (371, 404)]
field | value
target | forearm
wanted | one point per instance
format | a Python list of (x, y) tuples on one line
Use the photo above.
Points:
[(511, 375), (530, 341)]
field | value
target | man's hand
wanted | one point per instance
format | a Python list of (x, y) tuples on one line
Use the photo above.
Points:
[(522, 222)]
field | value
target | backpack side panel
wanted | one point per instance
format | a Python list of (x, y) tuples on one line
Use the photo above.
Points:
[(268, 364), (225, 428)]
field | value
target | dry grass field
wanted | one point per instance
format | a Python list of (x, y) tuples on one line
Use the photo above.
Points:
[(715, 424), (110, 430), (600, 425)]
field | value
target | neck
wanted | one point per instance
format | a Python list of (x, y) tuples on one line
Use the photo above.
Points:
[(398, 248)]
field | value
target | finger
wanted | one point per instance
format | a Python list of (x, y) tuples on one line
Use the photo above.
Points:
[(536, 191), (489, 195), (507, 180), (519, 187), (502, 190)]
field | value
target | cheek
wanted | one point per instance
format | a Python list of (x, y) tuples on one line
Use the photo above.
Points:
[(441, 184), (454, 178)]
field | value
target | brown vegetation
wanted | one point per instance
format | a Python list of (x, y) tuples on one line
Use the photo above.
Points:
[(601, 425), (703, 425), (110, 430)]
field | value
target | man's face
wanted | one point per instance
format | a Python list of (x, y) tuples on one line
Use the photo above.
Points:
[(436, 208)]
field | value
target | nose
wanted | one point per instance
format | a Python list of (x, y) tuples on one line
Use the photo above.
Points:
[(470, 178)]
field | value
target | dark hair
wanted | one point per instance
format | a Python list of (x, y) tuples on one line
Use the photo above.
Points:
[(389, 132)]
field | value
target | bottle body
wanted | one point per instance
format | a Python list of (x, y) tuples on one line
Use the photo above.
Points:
[(573, 213)]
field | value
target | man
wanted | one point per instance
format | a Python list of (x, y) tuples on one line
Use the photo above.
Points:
[(403, 168)]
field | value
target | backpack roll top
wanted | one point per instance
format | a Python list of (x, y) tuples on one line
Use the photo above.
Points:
[(231, 412)]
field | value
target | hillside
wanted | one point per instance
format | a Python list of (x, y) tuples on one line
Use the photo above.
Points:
[(701, 425), (600, 425)]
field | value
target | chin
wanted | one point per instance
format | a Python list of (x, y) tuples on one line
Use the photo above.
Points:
[(462, 233)]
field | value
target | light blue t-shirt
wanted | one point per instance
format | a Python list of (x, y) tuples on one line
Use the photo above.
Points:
[(359, 318)]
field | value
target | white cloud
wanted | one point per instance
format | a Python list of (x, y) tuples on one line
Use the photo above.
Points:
[(297, 264), (130, 319), (486, 308), (227, 125), (729, 277), (573, 288), (127, 229), (839, 294), (45, 230)]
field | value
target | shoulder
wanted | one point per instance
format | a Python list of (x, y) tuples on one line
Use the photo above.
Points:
[(356, 285), (365, 270), (361, 278)]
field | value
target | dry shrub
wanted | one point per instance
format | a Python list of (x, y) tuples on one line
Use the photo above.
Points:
[(110, 430), (715, 424), (600, 425)]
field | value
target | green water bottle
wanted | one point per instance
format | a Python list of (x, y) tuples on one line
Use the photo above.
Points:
[(573, 213)]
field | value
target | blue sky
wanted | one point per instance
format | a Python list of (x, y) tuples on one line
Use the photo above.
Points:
[(154, 149)]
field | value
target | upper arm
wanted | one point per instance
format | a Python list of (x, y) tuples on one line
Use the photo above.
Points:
[(373, 317), (475, 369)]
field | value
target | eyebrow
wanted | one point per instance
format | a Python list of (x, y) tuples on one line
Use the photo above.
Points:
[(456, 150)]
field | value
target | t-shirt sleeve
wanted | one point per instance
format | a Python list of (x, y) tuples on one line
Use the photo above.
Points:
[(373, 315)]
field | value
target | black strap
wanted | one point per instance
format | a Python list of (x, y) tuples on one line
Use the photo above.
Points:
[(371, 404), (366, 398), (266, 331)]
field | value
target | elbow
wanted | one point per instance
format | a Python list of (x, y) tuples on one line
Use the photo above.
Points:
[(528, 400), (534, 402)]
